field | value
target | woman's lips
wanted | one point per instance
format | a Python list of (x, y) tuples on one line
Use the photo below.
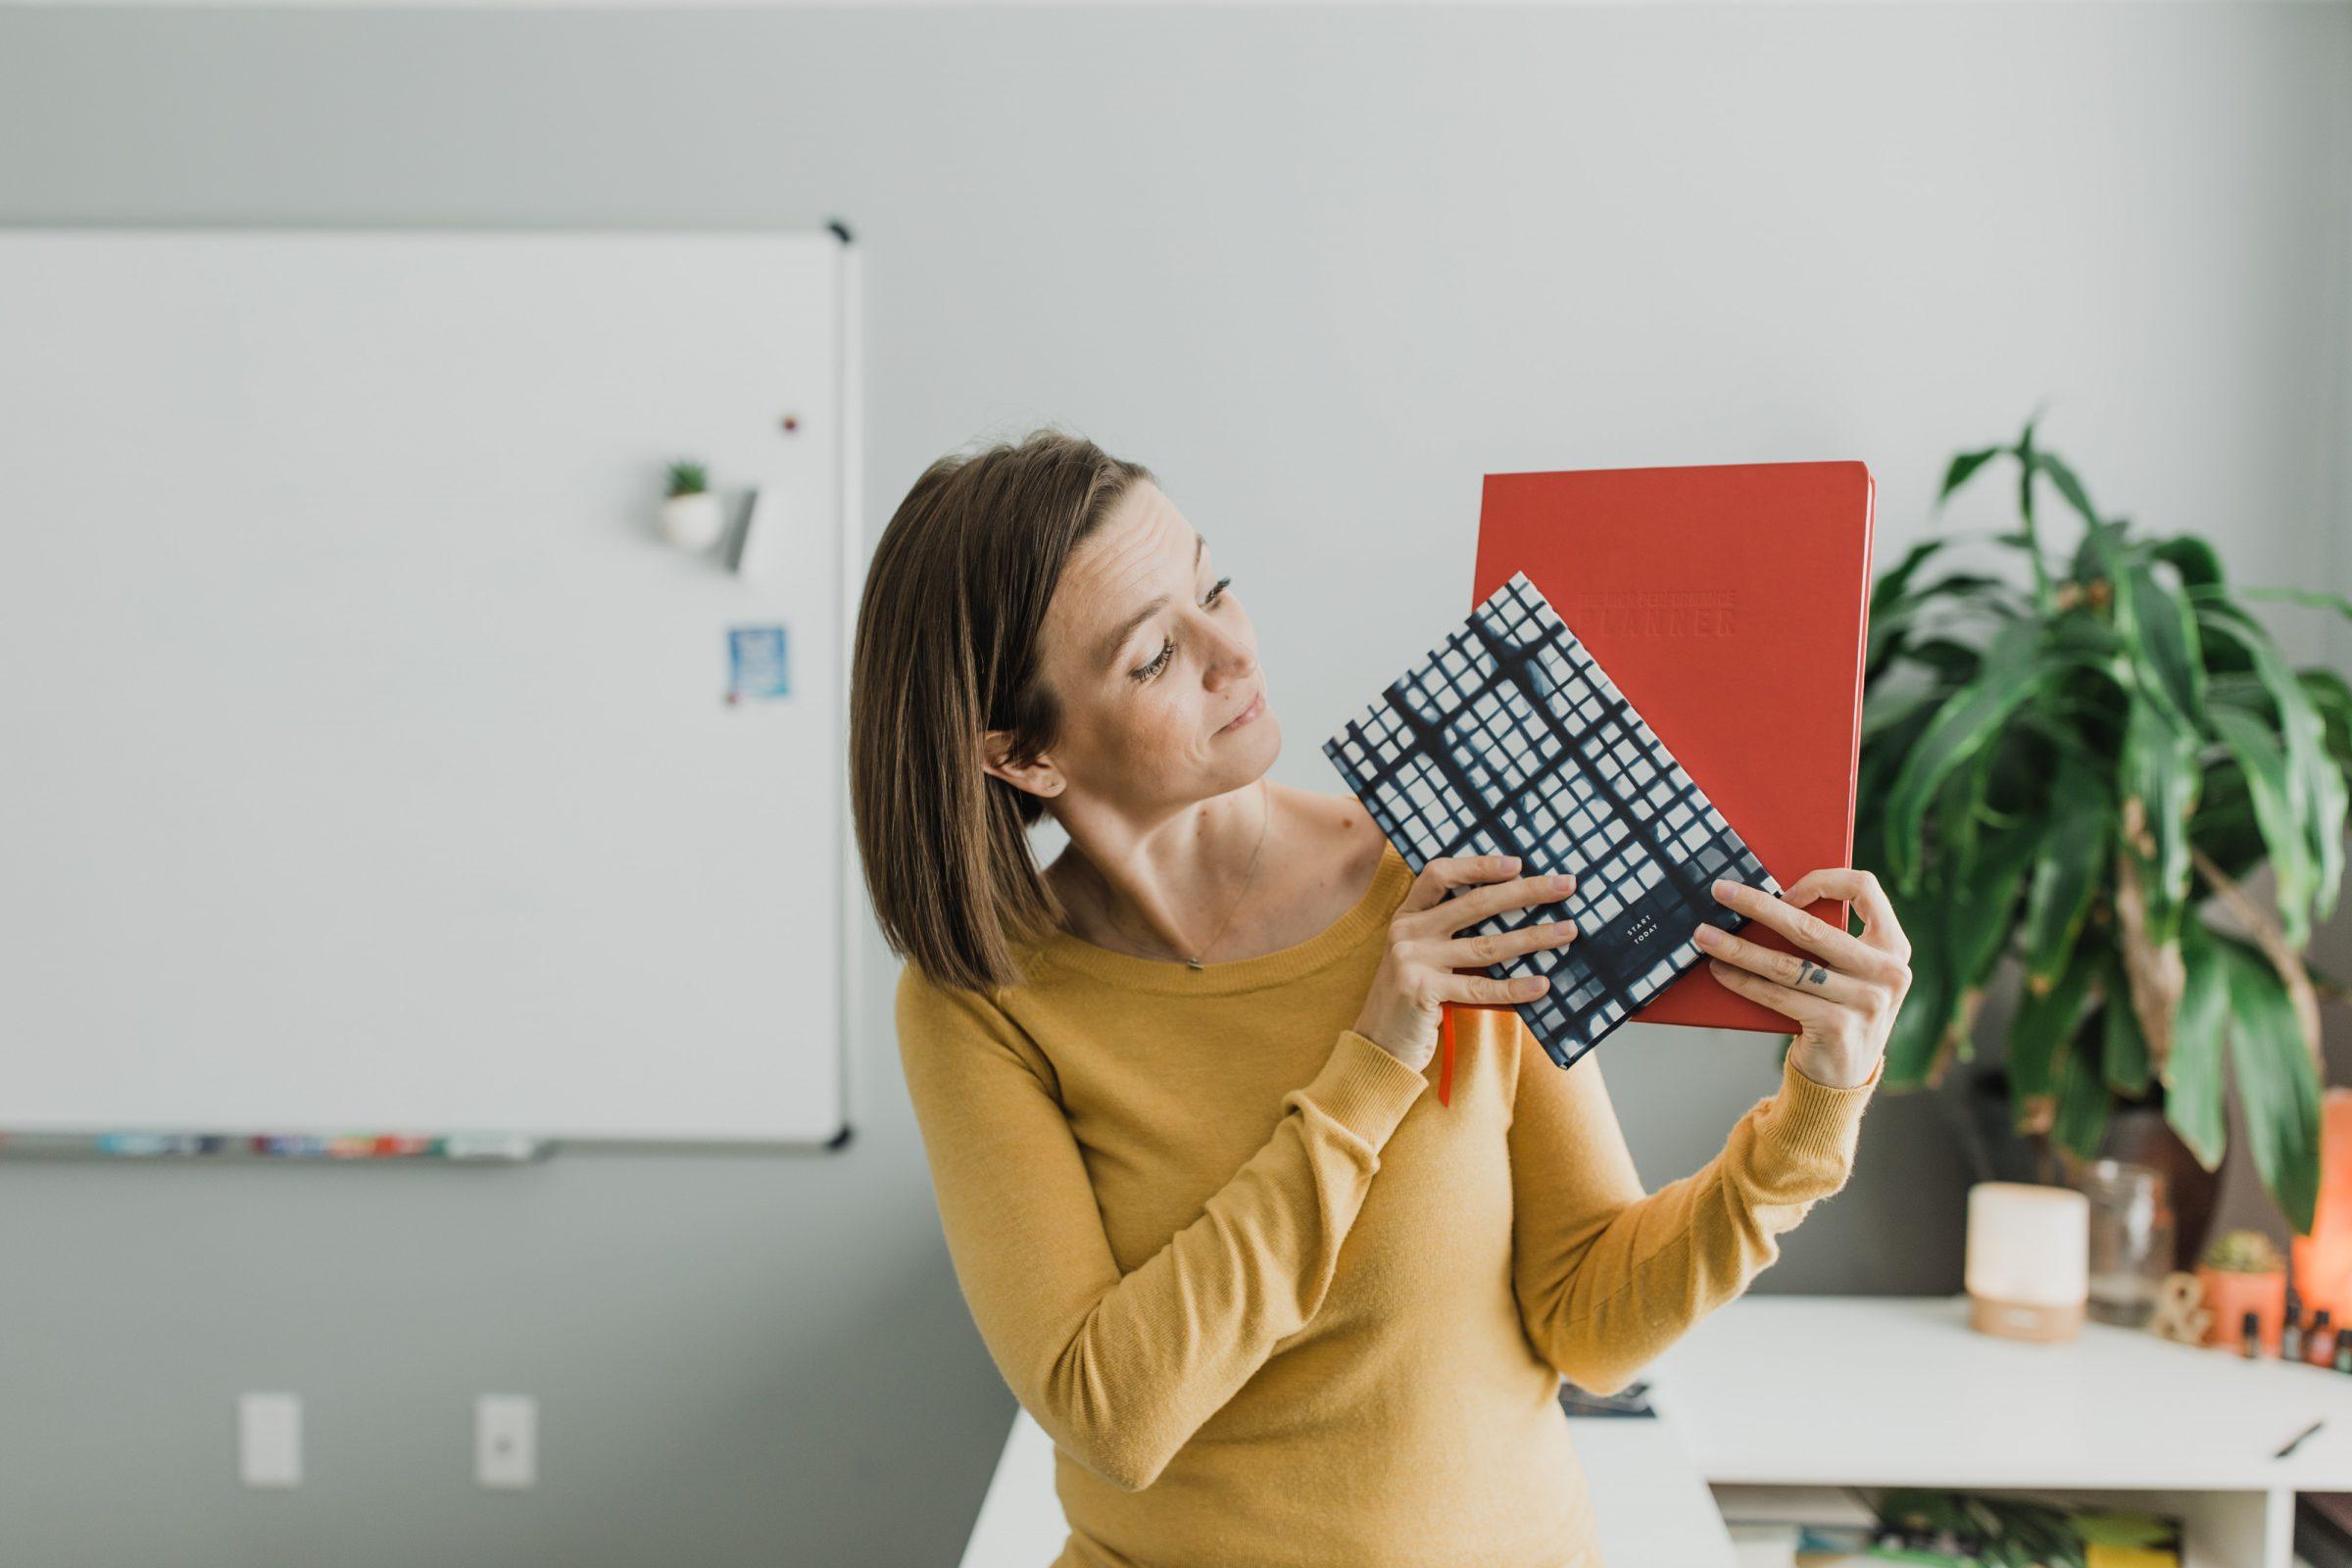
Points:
[(1257, 706)]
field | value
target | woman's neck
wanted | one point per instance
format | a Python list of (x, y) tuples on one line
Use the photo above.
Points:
[(1170, 903), (1321, 856)]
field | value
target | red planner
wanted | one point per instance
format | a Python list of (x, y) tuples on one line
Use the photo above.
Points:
[(1730, 606)]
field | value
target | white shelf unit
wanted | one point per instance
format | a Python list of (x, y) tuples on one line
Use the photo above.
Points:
[(1900, 1390)]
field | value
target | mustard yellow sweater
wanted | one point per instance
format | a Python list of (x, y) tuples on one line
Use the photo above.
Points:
[(1273, 1300)]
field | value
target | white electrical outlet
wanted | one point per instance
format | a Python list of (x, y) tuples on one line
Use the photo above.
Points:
[(506, 1440), (270, 1440)]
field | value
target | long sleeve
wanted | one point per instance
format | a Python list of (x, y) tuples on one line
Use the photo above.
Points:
[(1121, 1371), (1606, 1276)]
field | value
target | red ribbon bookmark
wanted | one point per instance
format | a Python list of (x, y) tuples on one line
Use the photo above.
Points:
[(1445, 1011), (1445, 1038)]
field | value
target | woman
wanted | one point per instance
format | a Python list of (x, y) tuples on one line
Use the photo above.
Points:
[(1273, 1302)]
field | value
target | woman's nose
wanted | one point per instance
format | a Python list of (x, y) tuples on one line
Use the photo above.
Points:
[(1239, 662)]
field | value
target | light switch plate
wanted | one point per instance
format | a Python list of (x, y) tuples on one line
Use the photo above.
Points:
[(506, 1440), (270, 1440)]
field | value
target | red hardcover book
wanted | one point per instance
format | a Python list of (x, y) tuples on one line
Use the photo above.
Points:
[(1730, 604)]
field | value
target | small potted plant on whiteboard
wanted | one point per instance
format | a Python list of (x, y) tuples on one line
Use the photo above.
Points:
[(689, 516)]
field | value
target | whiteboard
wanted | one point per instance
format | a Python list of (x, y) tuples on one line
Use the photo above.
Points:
[(369, 763)]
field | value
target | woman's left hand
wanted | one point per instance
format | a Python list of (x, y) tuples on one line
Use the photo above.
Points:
[(1845, 998)]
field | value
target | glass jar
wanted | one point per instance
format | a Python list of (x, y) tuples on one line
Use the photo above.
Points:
[(2130, 1240)]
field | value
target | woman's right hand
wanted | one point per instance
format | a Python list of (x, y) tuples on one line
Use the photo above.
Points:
[(1417, 974)]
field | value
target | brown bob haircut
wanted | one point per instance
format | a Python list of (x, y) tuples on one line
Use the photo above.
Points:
[(946, 649)]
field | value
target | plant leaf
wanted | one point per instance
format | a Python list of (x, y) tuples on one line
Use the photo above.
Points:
[(2073, 858), (1934, 999), (2099, 553), (2255, 746), (2159, 780), (2223, 826), (2160, 783), (2192, 557), (2315, 599), (2294, 975), (1892, 713), (1959, 819), (1952, 660), (2083, 1098), (2331, 699), (1892, 581), (1892, 621), (2043, 1019), (1964, 466), (2123, 1047), (2026, 469), (1985, 915), (2316, 792), (2013, 671), (2152, 969), (2277, 1081), (2194, 1097), (2161, 631), (2068, 485)]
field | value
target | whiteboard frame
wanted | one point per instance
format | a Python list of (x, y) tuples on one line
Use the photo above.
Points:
[(849, 330)]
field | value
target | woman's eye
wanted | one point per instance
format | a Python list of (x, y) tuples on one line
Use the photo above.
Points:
[(1168, 647)]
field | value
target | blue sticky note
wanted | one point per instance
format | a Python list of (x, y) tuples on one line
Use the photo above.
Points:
[(756, 664)]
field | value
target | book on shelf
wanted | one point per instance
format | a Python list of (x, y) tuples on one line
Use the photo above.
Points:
[(1817, 1526), (2323, 1529)]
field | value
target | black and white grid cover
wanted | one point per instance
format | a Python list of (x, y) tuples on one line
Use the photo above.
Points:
[(1509, 739)]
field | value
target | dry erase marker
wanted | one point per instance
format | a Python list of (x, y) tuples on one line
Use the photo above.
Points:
[(488, 1145), (133, 1144), (2297, 1438)]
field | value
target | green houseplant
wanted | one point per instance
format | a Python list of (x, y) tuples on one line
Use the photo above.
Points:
[(2077, 769), (1927, 1525), (689, 516), (2242, 1272), (688, 477)]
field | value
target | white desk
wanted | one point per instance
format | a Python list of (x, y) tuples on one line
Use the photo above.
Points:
[(1650, 1506), (1896, 1391), (1899, 1391)]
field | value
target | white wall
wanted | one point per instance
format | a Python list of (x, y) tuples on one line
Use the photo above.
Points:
[(1321, 269)]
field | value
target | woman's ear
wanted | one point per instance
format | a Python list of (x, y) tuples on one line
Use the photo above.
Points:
[(1036, 778)]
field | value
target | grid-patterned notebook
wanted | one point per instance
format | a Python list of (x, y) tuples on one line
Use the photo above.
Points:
[(1508, 739)]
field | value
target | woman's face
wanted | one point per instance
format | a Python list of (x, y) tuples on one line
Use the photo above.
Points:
[(1152, 657)]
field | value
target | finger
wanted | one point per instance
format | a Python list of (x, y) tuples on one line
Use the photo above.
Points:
[(1441, 876), (1492, 948), (1807, 930), (1879, 928), (1479, 988), (1817, 1010), (1499, 897), (1800, 971)]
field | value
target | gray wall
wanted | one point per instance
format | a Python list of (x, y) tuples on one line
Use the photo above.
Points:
[(1321, 269)]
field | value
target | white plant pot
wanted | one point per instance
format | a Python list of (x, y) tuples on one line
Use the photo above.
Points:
[(692, 521)]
